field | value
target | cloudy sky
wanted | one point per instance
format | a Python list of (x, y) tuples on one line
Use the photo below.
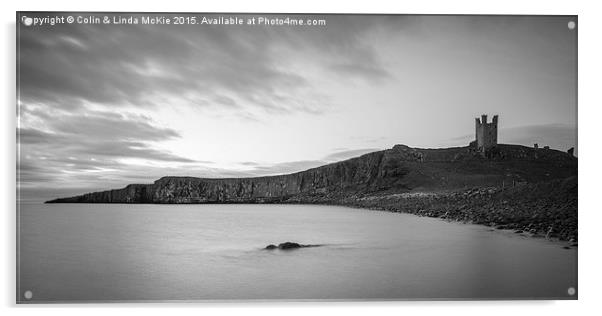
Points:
[(101, 106)]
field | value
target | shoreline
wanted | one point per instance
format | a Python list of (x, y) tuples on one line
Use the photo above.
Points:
[(515, 210), (505, 231), (515, 187)]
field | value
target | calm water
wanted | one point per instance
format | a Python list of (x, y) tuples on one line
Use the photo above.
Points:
[(189, 252)]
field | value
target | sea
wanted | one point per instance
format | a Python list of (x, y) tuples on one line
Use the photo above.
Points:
[(140, 252)]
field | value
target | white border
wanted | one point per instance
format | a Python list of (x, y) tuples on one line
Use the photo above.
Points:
[(589, 157)]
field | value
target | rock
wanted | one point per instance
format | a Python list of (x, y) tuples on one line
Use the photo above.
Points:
[(519, 231), (566, 247), (288, 246)]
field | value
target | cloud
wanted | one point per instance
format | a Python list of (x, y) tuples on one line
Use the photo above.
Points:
[(367, 72), (95, 134), (110, 126), (78, 147), (285, 167), (258, 169), (68, 66), (95, 151), (346, 154), (83, 90)]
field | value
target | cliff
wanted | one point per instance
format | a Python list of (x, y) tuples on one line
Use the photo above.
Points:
[(397, 170), (532, 191)]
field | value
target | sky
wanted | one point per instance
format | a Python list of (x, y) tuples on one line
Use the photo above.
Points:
[(101, 106)]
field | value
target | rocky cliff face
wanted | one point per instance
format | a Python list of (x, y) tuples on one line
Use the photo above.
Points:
[(396, 170)]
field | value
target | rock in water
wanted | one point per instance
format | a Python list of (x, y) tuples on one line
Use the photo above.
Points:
[(288, 246)]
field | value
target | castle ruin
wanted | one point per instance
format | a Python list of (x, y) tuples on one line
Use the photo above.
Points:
[(486, 133)]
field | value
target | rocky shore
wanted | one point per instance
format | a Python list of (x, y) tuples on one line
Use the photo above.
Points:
[(547, 210)]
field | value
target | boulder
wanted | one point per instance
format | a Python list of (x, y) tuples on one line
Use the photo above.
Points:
[(288, 246)]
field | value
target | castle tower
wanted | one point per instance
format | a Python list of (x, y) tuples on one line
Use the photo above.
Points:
[(486, 133)]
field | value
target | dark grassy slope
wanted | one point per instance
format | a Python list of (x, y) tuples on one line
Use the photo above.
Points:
[(524, 182)]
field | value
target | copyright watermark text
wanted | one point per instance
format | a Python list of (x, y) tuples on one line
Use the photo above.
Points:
[(173, 19)]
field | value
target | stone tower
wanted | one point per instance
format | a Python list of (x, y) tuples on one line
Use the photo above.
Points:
[(486, 133)]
